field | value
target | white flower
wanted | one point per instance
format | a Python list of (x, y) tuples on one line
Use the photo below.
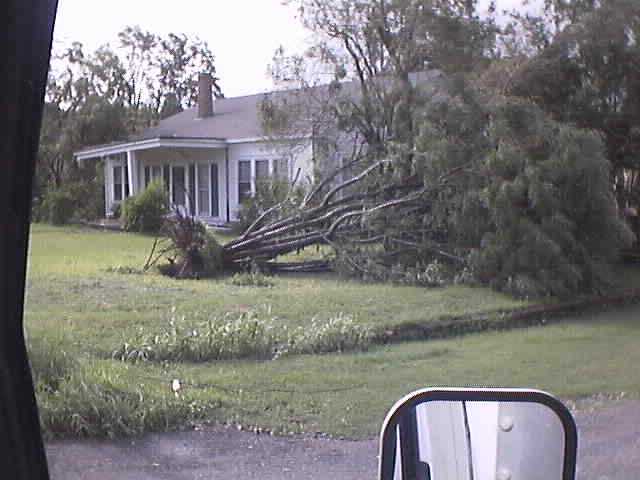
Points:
[(175, 386)]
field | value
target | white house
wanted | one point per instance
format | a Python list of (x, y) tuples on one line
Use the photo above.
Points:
[(209, 157)]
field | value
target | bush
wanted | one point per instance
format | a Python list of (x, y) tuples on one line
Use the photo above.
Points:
[(251, 279), (58, 207), (211, 253), (198, 340), (50, 364), (81, 200), (339, 334), (97, 401), (247, 335), (93, 399), (145, 212), (268, 194), (116, 211)]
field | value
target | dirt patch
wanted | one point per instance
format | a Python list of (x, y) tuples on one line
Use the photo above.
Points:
[(609, 449)]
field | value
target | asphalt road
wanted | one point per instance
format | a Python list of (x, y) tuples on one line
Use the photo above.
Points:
[(609, 436)]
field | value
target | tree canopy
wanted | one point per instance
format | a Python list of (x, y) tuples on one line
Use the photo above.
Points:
[(580, 61), (112, 92)]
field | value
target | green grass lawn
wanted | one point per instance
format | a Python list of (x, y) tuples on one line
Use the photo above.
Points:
[(69, 285), (82, 313)]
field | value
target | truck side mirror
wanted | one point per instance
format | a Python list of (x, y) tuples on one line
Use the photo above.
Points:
[(478, 434)]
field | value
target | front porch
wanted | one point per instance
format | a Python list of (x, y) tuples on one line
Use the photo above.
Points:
[(195, 173)]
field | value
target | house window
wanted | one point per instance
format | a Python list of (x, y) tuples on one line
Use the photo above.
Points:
[(179, 185), (151, 173), (203, 190), (281, 168), (251, 172), (117, 183), (262, 169), (244, 180), (120, 182)]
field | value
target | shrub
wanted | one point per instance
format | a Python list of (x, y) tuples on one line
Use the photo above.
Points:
[(268, 194), (58, 206), (211, 253), (93, 399), (145, 212), (116, 210), (89, 198), (50, 364), (251, 279), (98, 401), (201, 340), (125, 270), (80, 200), (339, 334), (247, 335)]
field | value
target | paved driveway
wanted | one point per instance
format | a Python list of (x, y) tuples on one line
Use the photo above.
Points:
[(609, 433)]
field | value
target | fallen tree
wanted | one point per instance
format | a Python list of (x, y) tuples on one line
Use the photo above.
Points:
[(498, 194), (330, 215)]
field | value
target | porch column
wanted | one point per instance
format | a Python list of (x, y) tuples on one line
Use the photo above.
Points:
[(132, 166)]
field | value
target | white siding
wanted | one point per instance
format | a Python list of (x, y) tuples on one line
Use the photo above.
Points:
[(300, 157)]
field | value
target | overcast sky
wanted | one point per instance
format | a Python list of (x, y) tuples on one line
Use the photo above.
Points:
[(243, 34)]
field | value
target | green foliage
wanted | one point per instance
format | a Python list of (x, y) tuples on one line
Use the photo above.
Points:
[(81, 399), (251, 279), (78, 200), (338, 334), (198, 340), (50, 364), (362, 263), (535, 208), (125, 270), (579, 66), (99, 402), (58, 206), (212, 259), (146, 211), (196, 252), (248, 335), (269, 193)]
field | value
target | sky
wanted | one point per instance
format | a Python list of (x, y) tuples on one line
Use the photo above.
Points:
[(242, 34)]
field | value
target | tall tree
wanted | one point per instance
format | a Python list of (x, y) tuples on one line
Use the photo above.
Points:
[(179, 60), (580, 61), (108, 94), (377, 45)]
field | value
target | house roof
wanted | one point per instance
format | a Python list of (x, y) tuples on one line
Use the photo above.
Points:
[(235, 119)]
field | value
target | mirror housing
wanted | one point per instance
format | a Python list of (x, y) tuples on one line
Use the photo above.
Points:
[(515, 434)]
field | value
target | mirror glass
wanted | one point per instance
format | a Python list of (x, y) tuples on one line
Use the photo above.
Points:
[(478, 440)]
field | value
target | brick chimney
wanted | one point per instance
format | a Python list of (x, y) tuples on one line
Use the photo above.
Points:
[(205, 97)]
